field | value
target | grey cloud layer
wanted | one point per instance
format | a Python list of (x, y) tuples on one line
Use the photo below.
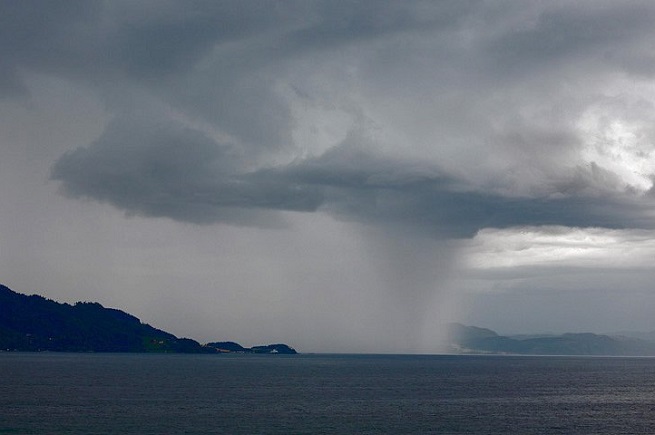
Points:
[(458, 115), (173, 171), (147, 172)]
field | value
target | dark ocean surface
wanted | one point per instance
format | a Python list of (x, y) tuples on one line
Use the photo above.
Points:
[(51, 393)]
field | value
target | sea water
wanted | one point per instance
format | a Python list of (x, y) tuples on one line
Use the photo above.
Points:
[(53, 393)]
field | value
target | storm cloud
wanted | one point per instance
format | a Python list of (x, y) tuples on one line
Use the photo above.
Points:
[(453, 124), (454, 116)]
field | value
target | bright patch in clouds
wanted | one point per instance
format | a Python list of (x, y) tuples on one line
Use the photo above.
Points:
[(618, 135), (556, 246)]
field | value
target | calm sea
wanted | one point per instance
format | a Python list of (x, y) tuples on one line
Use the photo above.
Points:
[(51, 393)]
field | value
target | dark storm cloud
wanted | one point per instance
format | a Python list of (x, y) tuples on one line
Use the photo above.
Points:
[(176, 172), (488, 97), (443, 207), (170, 170)]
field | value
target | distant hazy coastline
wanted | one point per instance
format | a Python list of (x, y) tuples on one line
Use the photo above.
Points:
[(472, 339)]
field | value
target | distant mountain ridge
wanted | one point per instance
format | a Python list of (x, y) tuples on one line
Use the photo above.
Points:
[(34, 323), (472, 339)]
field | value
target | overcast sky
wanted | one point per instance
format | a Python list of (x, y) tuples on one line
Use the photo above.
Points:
[(340, 175)]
